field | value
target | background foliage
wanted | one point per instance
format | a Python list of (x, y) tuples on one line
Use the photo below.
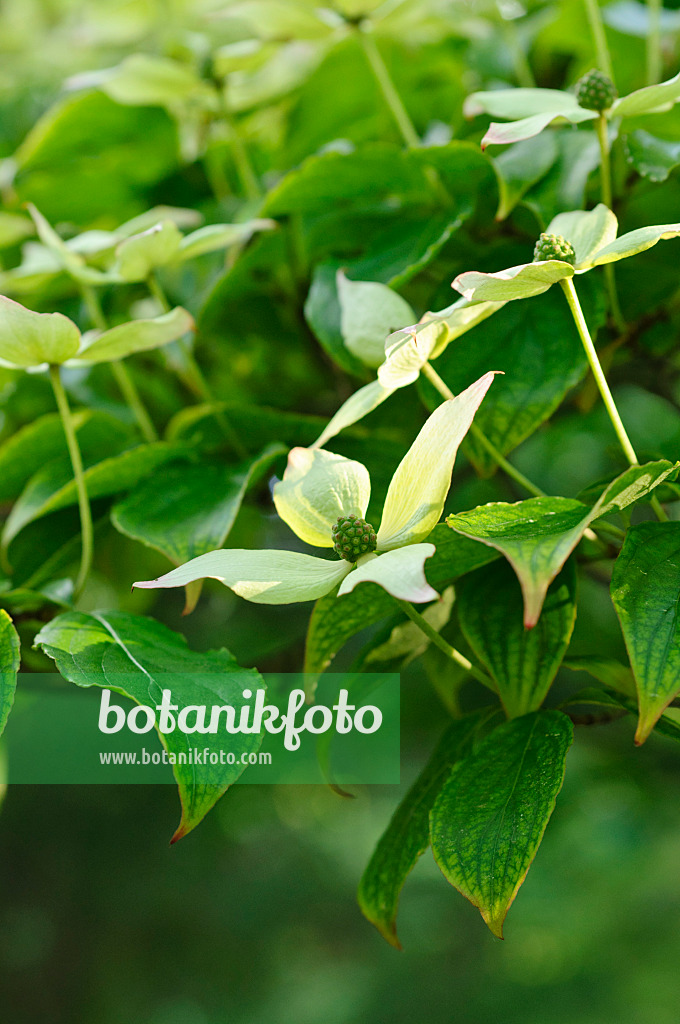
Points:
[(254, 916)]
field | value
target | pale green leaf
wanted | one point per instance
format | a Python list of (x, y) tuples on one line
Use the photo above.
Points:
[(32, 339), (357, 406), (519, 282), (317, 488), (634, 242), (520, 103), (135, 336), (648, 100), (417, 492), (588, 231), (401, 572), (369, 312), (213, 237), (139, 255), (264, 577), (9, 666)]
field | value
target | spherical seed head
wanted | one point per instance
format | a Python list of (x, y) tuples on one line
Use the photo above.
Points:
[(554, 247), (595, 91), (353, 537)]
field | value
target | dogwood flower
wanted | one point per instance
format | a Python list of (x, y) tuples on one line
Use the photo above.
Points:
[(529, 111), (323, 497), (592, 237)]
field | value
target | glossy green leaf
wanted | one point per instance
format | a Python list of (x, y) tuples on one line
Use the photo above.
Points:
[(53, 487), (488, 821), (538, 535), (138, 658), (407, 836), (645, 590), (9, 666), (32, 339), (190, 509), (135, 336), (369, 312), (652, 157), (587, 230), (522, 662)]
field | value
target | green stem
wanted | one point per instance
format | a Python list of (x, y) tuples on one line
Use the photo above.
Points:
[(521, 65), (79, 477), (388, 89), (195, 378), (598, 372), (246, 175), (120, 371), (601, 127), (603, 386), (481, 437), (654, 61), (441, 643), (594, 16)]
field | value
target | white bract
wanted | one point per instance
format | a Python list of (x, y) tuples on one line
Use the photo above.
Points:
[(592, 235), (529, 111), (317, 489), (406, 352)]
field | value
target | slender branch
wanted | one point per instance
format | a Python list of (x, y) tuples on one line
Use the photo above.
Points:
[(481, 437), (594, 16), (388, 89), (654, 60), (79, 477), (601, 127), (441, 643), (120, 371), (602, 385)]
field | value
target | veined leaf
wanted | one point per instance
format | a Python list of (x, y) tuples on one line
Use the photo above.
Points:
[(522, 662), (408, 834), (645, 590), (648, 100), (213, 237), (369, 313), (138, 658), (9, 666), (488, 821), (538, 535), (135, 336), (335, 620), (652, 157), (31, 339), (519, 282)]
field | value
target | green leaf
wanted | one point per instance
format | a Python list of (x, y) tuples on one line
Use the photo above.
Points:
[(649, 100), (138, 658), (520, 103), (9, 666), (587, 230), (135, 336), (191, 509), (519, 282), (144, 79), (53, 486), (521, 166), (634, 242), (408, 834), (139, 255), (369, 312), (335, 620), (537, 346), (522, 662), (606, 670), (488, 821), (323, 314), (30, 447), (32, 339), (538, 535), (213, 237), (651, 157), (645, 590), (14, 228)]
